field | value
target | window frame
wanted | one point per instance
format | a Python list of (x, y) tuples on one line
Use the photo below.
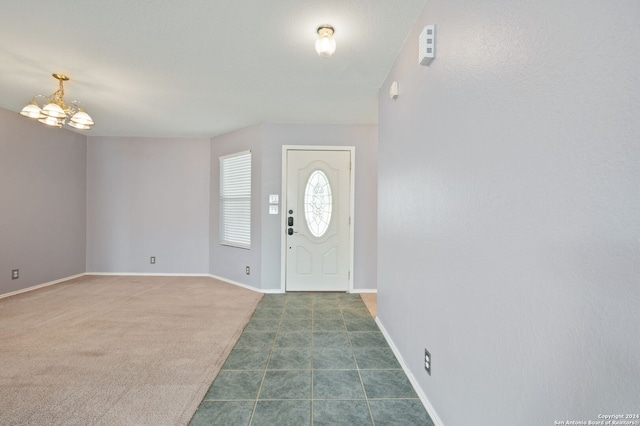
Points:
[(235, 200)]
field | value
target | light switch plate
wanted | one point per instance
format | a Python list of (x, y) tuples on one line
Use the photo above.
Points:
[(273, 199), (273, 209)]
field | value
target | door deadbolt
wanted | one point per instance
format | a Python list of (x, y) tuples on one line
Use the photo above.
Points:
[(290, 221)]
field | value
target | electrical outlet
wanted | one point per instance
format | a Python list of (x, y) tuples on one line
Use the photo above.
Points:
[(248, 270), (427, 361), (153, 260), (15, 274)]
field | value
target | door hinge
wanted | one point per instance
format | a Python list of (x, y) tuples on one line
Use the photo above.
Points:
[(349, 275)]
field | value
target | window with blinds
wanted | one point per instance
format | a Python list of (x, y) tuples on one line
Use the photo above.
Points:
[(235, 200)]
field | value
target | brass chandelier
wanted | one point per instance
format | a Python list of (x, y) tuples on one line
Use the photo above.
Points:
[(53, 111)]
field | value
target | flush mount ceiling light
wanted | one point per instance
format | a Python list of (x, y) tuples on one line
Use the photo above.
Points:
[(53, 111), (325, 45)]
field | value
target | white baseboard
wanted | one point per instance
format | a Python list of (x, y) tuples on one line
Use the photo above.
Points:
[(272, 291), (35, 287), (147, 274), (425, 401), (144, 274), (248, 287)]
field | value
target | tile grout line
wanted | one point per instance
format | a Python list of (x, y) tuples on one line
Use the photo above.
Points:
[(266, 366), (353, 352)]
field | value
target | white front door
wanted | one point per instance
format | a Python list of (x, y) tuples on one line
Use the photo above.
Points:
[(317, 209)]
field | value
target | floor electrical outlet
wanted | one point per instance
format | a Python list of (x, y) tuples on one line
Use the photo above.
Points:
[(248, 270), (427, 361), (153, 260), (15, 274)]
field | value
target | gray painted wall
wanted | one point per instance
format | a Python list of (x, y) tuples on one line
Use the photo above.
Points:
[(42, 199), (509, 233), (148, 197), (365, 140), (230, 262), (266, 141), (159, 197)]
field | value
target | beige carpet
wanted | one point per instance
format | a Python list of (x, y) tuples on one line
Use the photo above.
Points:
[(116, 350)]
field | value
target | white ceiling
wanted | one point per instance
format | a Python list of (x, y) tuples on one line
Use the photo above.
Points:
[(202, 67)]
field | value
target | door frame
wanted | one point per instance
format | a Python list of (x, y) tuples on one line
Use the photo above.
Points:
[(283, 207)]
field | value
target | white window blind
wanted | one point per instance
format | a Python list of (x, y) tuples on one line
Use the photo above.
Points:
[(235, 200)]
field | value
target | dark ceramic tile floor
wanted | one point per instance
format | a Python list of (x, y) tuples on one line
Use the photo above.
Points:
[(311, 359)]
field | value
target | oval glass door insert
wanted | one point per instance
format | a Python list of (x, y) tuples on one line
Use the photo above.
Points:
[(318, 203)]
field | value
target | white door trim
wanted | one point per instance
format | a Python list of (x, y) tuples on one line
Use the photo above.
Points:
[(283, 206)]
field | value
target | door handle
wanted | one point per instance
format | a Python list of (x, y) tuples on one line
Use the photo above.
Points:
[(290, 221), (290, 231)]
